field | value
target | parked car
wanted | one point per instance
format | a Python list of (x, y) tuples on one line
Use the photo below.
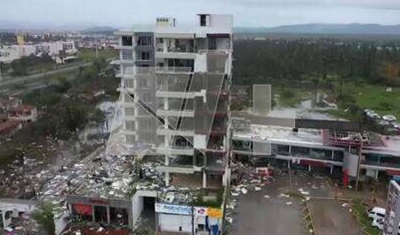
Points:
[(389, 118), (376, 213), (378, 223)]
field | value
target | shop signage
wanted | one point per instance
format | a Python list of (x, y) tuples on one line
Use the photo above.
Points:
[(173, 209), (214, 213), (180, 210)]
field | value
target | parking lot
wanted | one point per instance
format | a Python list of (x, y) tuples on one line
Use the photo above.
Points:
[(276, 215), (331, 217), (271, 211)]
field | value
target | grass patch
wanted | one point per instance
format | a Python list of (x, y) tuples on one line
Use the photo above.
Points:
[(362, 218), (90, 54), (290, 97)]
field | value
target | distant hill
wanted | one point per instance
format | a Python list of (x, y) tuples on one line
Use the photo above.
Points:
[(368, 29), (104, 29)]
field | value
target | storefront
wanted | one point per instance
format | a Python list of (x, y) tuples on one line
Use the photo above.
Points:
[(179, 218), (108, 211)]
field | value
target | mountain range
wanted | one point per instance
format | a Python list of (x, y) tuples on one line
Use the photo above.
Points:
[(357, 29)]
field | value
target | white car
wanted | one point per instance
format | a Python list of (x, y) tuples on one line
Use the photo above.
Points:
[(378, 223), (376, 213), (389, 118)]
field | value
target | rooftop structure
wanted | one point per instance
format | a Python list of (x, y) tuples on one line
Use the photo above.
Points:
[(366, 154)]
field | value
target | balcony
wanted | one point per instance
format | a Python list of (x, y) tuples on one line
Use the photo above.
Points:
[(179, 164), (180, 70), (175, 113), (175, 150), (176, 169), (125, 43), (164, 131)]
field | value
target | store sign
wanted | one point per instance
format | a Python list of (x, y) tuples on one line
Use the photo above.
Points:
[(214, 213), (180, 210), (173, 209), (201, 211)]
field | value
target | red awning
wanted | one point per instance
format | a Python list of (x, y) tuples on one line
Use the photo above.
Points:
[(82, 209), (392, 172)]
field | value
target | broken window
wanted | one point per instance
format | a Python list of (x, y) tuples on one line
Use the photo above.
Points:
[(129, 111), (130, 125), (144, 41), (126, 40), (145, 55), (128, 83), (203, 20)]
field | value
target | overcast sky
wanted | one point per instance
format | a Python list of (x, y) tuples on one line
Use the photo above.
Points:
[(122, 13)]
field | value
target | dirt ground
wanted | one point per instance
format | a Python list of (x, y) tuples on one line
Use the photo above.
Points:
[(331, 218)]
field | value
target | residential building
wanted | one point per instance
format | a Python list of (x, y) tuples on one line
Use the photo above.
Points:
[(15, 52), (175, 84), (6, 104), (24, 113)]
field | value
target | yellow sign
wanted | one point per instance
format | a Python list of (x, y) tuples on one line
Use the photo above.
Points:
[(20, 40), (214, 213)]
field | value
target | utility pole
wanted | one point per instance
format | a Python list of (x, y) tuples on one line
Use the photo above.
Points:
[(290, 177), (192, 216)]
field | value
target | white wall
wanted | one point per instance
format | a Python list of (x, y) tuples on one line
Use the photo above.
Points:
[(11, 205), (61, 222), (200, 63)]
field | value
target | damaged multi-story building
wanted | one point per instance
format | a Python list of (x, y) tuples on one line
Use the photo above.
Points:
[(175, 82)]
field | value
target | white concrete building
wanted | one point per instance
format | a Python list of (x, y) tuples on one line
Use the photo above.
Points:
[(175, 84)]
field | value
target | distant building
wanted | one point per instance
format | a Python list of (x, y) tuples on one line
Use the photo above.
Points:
[(15, 52), (9, 127), (9, 103)]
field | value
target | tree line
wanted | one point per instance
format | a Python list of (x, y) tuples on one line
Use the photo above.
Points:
[(310, 59)]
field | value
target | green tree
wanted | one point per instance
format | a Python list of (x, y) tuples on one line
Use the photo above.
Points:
[(44, 216)]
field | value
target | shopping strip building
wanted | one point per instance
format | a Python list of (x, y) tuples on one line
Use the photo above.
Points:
[(174, 100), (330, 151)]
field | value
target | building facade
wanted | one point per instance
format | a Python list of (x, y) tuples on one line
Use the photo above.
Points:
[(175, 93)]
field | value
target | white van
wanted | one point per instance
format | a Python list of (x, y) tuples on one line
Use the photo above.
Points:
[(376, 213)]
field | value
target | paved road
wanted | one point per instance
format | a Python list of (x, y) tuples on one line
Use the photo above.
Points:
[(17, 80)]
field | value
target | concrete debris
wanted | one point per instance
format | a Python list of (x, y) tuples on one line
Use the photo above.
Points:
[(229, 219), (345, 204), (257, 188), (289, 203), (304, 192), (283, 195), (267, 196), (244, 191)]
